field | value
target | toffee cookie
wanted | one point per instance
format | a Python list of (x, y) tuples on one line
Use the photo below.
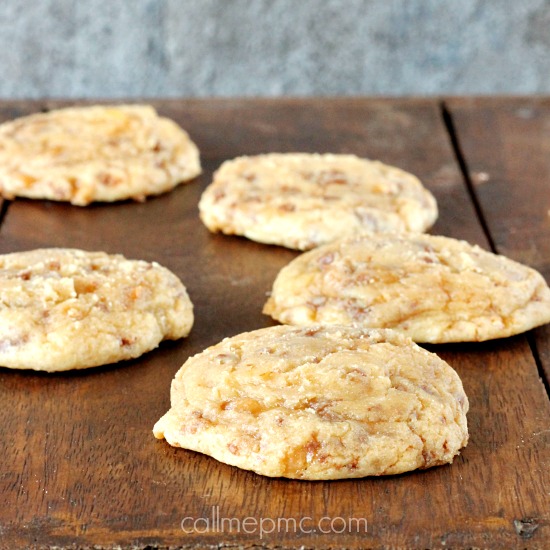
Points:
[(96, 153), (318, 403), (433, 289), (64, 309), (301, 200)]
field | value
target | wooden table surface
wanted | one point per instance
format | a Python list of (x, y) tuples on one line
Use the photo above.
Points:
[(79, 466)]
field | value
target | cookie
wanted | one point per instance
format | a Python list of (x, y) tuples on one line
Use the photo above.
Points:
[(301, 200), (64, 309), (433, 289), (318, 403), (97, 153)]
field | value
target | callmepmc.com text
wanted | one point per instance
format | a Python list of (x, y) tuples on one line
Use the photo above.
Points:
[(216, 523)]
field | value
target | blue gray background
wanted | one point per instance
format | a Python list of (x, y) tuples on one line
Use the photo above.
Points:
[(164, 48)]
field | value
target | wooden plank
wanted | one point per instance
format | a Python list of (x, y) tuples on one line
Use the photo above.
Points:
[(79, 463), (506, 143)]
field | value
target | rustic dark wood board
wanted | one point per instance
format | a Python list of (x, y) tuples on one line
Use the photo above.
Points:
[(80, 466), (506, 145)]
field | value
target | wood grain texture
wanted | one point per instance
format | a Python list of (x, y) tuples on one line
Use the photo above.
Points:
[(79, 464), (506, 145)]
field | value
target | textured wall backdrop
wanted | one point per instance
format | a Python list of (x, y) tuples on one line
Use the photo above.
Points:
[(136, 48)]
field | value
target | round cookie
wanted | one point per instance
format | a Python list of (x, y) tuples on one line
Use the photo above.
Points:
[(301, 200), (318, 403), (95, 153), (433, 289), (67, 309)]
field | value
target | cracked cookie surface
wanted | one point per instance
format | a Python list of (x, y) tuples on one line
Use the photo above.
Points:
[(433, 289), (64, 309), (318, 403), (95, 153), (301, 200)]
